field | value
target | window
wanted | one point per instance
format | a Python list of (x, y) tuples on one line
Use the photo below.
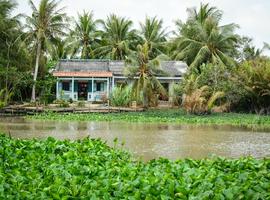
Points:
[(98, 87), (65, 86)]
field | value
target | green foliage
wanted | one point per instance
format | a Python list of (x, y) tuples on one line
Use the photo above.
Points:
[(81, 104), (201, 39), (5, 96), (200, 101), (89, 169), (44, 27), (118, 38), (217, 78), (154, 35), (254, 77), (174, 116), (45, 87), (121, 96), (62, 103), (146, 69), (84, 38), (246, 50)]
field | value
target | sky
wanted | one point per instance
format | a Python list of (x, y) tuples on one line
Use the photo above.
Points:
[(252, 16)]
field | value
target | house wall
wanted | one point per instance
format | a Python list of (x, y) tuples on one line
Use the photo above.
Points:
[(92, 93), (106, 88)]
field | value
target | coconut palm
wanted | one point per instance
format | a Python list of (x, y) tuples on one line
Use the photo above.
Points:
[(205, 12), (201, 39), (154, 35), (59, 50), (144, 72), (84, 37), (46, 23), (118, 38)]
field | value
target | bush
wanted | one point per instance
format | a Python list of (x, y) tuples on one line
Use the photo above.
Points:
[(200, 101), (81, 104), (121, 96), (5, 97), (218, 79), (62, 103), (47, 98), (254, 78)]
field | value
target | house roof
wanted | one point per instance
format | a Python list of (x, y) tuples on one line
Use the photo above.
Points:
[(107, 68), (83, 74)]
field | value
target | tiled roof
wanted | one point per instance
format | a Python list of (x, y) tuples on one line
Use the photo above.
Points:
[(83, 74), (107, 68)]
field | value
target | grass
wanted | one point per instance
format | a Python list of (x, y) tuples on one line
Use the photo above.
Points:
[(89, 169), (172, 116)]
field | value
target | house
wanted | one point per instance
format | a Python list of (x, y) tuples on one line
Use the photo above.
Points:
[(91, 80)]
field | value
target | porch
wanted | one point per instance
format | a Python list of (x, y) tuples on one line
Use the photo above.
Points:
[(83, 89)]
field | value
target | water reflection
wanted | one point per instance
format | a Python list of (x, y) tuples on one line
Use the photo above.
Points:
[(151, 140)]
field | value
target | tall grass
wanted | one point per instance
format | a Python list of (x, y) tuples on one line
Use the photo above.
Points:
[(121, 96)]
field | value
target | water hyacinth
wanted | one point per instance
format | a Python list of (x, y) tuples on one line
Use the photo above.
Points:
[(89, 169), (168, 116)]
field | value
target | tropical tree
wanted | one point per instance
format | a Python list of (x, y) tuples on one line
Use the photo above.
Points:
[(118, 38), (254, 77), (143, 71), (14, 57), (202, 40), (84, 37), (44, 26), (246, 50), (154, 35), (59, 50)]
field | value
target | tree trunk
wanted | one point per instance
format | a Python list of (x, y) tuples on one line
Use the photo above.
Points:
[(145, 100), (33, 99)]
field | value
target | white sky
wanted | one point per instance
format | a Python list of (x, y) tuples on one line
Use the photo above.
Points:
[(253, 16)]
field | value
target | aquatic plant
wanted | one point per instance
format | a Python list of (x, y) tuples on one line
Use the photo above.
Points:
[(168, 116), (89, 169)]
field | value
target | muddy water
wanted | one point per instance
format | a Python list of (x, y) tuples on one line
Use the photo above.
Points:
[(151, 140)]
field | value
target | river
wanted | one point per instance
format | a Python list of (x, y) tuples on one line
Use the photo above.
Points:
[(151, 140)]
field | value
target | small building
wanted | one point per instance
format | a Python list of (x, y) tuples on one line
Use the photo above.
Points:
[(93, 80)]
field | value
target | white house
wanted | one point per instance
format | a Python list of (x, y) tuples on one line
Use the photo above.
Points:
[(90, 80)]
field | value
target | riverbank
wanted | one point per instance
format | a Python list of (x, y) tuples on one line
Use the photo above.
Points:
[(32, 169), (168, 116)]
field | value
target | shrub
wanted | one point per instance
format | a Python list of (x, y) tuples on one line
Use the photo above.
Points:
[(217, 78), (254, 78), (121, 96), (200, 101), (62, 103), (5, 96), (81, 104)]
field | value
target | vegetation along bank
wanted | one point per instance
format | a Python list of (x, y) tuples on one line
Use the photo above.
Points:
[(170, 115), (88, 168)]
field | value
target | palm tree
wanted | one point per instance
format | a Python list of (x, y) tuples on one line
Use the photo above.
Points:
[(201, 39), (118, 38), (144, 72), (59, 50), (205, 12), (246, 50), (44, 26), (84, 36), (154, 35)]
